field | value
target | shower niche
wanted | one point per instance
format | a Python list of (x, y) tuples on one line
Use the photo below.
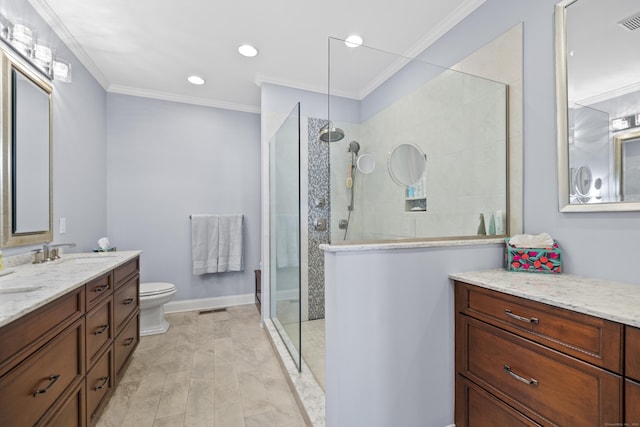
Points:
[(416, 196)]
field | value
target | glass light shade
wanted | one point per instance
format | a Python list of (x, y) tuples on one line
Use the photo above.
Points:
[(42, 56), (620, 124), (21, 37), (61, 70)]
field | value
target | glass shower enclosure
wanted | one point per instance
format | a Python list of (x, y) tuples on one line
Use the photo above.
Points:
[(284, 214)]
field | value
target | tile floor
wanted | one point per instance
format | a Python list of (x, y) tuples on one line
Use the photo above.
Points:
[(211, 370), (312, 345)]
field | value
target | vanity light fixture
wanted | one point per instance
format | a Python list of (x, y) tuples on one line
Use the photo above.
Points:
[(24, 42), (353, 40), (196, 80), (626, 122), (247, 50), (621, 123)]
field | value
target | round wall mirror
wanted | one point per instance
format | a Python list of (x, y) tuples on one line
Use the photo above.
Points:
[(407, 164)]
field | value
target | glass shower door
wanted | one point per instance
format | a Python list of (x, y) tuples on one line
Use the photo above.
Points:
[(284, 189)]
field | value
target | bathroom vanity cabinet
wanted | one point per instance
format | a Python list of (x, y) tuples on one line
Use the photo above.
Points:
[(520, 362), (632, 373), (59, 364)]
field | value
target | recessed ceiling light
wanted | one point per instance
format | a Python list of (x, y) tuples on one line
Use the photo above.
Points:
[(248, 50), (196, 80), (353, 40)]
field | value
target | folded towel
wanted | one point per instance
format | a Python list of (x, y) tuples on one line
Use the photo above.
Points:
[(204, 243), (230, 244), (542, 240), (287, 241)]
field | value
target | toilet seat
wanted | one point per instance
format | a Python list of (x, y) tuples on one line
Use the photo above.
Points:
[(156, 288)]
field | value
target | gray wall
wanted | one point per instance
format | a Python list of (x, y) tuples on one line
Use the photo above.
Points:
[(167, 160), (79, 145), (361, 340)]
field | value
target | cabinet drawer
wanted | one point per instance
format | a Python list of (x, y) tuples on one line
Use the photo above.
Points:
[(98, 288), (100, 383), (99, 329), (632, 350), (632, 403), (125, 271), (589, 338), (31, 388), (71, 412), (126, 302), (21, 337), (126, 342), (545, 385), (481, 409)]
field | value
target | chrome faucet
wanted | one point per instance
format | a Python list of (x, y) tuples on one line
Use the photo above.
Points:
[(50, 251)]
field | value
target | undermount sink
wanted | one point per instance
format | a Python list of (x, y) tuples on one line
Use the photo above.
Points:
[(19, 289)]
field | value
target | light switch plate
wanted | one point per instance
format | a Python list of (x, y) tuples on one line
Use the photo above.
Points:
[(63, 225)]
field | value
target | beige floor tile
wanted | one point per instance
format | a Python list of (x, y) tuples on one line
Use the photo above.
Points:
[(174, 395), (229, 415), (211, 370), (200, 404), (172, 421)]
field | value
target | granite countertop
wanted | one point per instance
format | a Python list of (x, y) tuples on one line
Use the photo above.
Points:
[(619, 302), (30, 286)]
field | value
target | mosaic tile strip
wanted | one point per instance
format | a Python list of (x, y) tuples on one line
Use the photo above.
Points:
[(318, 190)]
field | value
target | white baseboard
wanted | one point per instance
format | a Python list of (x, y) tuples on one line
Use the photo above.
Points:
[(208, 303)]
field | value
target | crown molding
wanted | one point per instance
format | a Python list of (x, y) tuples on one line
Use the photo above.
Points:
[(165, 96), (44, 10), (635, 87)]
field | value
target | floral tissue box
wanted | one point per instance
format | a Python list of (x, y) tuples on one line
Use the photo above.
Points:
[(533, 260)]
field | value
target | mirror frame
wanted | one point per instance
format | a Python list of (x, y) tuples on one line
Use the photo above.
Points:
[(8, 237), (562, 124)]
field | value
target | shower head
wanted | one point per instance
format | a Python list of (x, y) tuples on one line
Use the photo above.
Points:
[(354, 147), (331, 134)]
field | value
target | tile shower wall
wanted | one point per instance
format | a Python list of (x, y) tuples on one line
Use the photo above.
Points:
[(318, 204)]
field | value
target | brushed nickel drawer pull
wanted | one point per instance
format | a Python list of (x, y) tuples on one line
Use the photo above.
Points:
[(52, 380), (128, 301), (128, 341), (101, 329), (101, 288), (508, 370), (520, 318), (105, 380)]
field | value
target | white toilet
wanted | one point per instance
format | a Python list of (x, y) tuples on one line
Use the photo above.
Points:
[(153, 297)]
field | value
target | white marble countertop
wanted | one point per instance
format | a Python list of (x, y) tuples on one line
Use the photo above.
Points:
[(30, 286), (619, 302), (409, 244)]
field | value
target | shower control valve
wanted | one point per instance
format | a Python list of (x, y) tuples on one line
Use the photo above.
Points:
[(320, 224), (319, 202), (343, 224)]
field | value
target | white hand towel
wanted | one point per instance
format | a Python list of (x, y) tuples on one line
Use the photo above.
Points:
[(230, 245), (542, 240), (204, 243)]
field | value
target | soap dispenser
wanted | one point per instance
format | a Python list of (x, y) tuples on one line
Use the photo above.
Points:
[(482, 231)]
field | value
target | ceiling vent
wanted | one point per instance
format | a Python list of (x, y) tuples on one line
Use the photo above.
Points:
[(632, 23)]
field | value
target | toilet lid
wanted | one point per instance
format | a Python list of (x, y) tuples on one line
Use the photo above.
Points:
[(155, 288)]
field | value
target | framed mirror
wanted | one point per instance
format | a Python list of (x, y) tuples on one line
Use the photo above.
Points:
[(598, 104), (406, 164), (26, 155)]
